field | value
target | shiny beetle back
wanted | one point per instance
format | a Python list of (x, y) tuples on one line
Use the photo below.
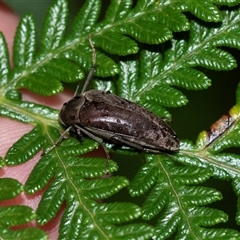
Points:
[(118, 120)]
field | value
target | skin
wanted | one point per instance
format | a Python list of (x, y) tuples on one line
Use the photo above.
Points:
[(21, 172)]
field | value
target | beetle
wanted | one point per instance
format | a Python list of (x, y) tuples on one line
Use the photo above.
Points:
[(103, 115), (110, 117)]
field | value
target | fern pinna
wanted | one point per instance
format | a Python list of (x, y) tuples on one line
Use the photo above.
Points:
[(148, 52)]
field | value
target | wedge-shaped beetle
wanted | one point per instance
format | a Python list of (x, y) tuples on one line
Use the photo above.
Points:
[(102, 115)]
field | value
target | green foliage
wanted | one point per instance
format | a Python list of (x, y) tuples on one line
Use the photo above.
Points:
[(147, 52), (13, 216)]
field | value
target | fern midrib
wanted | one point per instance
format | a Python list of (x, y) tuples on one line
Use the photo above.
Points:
[(209, 159), (78, 195), (181, 205), (37, 118)]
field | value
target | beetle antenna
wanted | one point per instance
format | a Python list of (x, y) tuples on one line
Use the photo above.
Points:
[(93, 68), (76, 91)]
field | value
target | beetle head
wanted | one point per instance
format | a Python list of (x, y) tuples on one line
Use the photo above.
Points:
[(69, 113)]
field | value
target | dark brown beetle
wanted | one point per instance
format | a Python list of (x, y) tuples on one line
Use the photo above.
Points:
[(102, 115)]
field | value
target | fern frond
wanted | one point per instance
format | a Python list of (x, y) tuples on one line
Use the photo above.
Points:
[(210, 146), (147, 22), (172, 193), (13, 216), (75, 181), (150, 79), (176, 68)]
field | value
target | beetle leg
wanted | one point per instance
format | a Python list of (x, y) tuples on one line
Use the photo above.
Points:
[(57, 142), (79, 134), (95, 138), (119, 139), (129, 143)]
